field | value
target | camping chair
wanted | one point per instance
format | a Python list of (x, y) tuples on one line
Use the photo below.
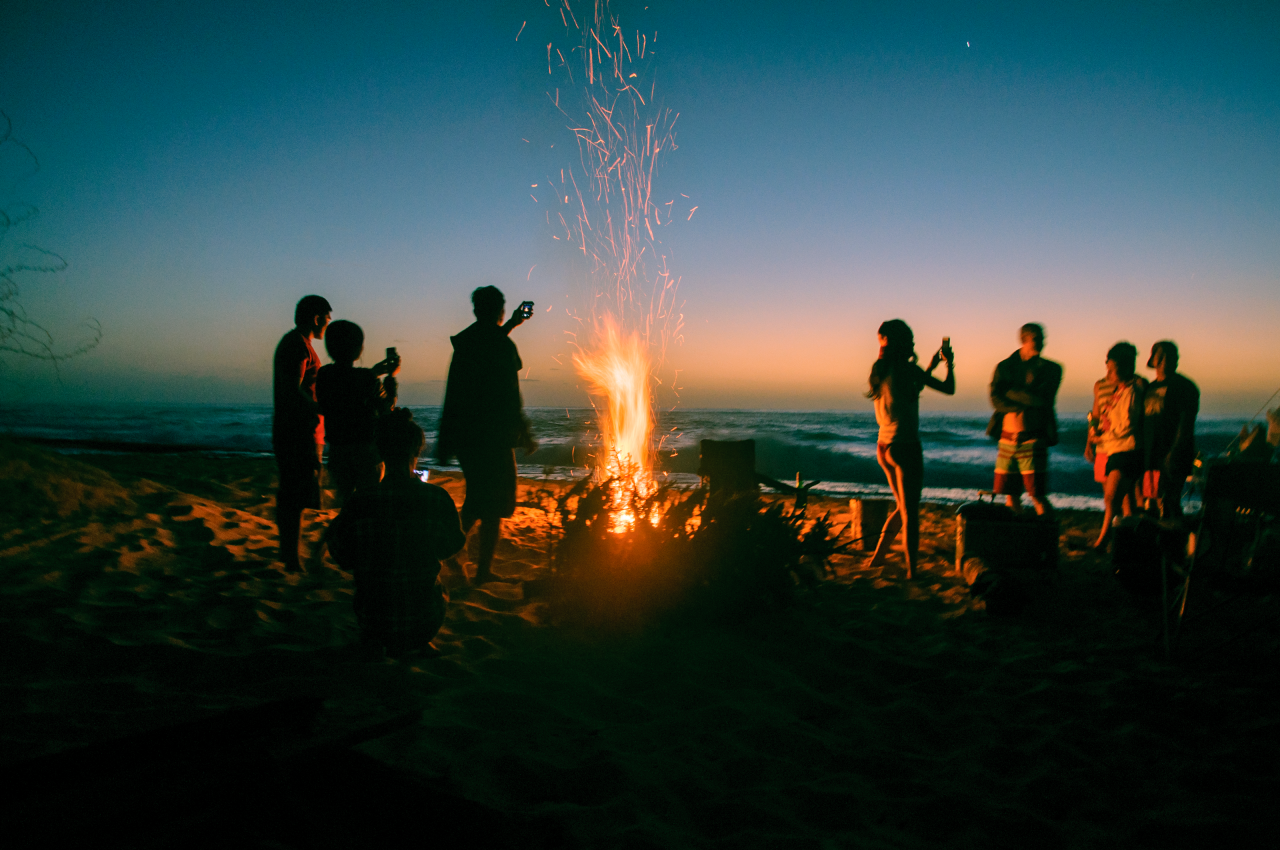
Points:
[(1228, 489)]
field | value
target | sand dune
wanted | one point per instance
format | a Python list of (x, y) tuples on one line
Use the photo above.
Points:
[(143, 591)]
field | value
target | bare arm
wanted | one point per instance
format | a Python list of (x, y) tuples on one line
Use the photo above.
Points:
[(1091, 437), (947, 386)]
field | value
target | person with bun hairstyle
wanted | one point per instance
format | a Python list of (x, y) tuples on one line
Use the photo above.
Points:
[(895, 385), (391, 537)]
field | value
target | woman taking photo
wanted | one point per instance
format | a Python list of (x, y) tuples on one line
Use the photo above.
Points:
[(1116, 421), (896, 381)]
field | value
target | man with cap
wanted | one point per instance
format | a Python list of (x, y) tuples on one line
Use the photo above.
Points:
[(1171, 404)]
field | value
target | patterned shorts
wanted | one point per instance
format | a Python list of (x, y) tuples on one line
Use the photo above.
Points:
[(1022, 466)]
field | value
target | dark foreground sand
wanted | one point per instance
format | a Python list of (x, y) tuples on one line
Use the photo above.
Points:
[(140, 591)]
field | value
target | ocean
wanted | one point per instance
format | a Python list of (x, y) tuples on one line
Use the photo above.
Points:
[(835, 448)]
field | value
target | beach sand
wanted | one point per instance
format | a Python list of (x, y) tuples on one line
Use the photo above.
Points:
[(142, 591)]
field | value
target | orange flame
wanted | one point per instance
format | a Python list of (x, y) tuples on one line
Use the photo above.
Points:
[(610, 216), (617, 369)]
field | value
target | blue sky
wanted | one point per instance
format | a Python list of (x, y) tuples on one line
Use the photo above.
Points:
[(1111, 170)]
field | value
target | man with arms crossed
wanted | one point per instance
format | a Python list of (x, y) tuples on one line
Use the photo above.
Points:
[(1023, 391), (297, 431)]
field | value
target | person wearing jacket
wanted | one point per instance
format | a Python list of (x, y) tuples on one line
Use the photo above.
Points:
[(482, 421), (1024, 389)]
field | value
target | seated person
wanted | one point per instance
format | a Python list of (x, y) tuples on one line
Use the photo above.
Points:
[(351, 400), (392, 536)]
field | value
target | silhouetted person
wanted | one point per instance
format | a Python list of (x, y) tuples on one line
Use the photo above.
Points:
[(351, 400), (896, 382), (1116, 432), (483, 420), (391, 537), (1023, 390), (297, 431), (1169, 430)]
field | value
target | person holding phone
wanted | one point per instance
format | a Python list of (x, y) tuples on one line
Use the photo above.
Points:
[(896, 382), (351, 400), (1024, 390), (482, 421)]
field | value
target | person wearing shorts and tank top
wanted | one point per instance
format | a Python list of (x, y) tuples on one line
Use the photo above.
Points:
[(895, 384)]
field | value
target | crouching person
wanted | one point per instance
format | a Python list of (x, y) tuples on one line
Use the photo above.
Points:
[(391, 536)]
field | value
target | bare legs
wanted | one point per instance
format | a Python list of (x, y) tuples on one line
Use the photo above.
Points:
[(1117, 490), (490, 530), (486, 542), (903, 466)]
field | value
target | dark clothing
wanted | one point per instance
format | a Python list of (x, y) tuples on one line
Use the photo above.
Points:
[(491, 483), (1029, 387), (298, 465), (392, 537), (350, 400), (353, 465), (1128, 464), (294, 423), (1170, 408), (482, 406)]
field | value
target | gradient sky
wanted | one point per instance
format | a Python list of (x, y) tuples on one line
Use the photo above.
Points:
[(1111, 170)]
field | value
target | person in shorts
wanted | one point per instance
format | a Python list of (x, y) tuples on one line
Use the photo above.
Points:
[(483, 422), (297, 429), (894, 386), (1024, 389), (391, 536), (1118, 403), (351, 400)]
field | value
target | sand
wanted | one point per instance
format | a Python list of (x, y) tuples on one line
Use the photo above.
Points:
[(141, 591)]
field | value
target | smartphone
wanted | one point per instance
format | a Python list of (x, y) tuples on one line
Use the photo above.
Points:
[(391, 353), (526, 309)]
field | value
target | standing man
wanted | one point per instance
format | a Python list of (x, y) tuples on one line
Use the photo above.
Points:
[(1023, 392), (297, 431), (1171, 404), (483, 419)]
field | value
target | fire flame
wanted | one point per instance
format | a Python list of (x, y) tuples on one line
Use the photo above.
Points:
[(617, 369), (610, 216)]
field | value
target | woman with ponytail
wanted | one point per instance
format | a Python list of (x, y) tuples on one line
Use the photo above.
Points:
[(896, 382)]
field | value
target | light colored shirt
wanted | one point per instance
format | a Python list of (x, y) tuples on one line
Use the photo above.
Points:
[(898, 405)]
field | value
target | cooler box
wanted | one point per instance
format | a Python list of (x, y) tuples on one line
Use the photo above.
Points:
[(1003, 539)]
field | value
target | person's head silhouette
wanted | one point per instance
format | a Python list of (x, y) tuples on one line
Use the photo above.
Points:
[(344, 341), (311, 316), (1125, 357), (487, 303), (399, 439)]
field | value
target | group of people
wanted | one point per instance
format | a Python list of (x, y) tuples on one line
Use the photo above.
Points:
[(1141, 435), (394, 529)]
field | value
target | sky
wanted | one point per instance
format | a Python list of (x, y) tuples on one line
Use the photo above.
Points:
[(1110, 170)]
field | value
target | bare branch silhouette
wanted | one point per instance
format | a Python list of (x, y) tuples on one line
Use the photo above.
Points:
[(19, 333)]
